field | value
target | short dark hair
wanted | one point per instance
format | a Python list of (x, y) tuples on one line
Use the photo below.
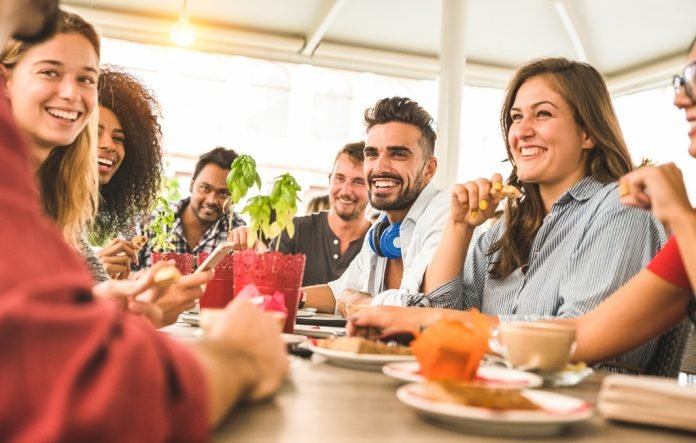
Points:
[(352, 150), (220, 156), (404, 110)]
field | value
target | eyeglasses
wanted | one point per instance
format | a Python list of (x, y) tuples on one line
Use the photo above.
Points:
[(686, 80)]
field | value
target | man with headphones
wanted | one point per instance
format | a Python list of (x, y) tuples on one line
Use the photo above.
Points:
[(399, 166)]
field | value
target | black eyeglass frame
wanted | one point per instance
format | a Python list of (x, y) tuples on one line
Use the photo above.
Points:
[(680, 81)]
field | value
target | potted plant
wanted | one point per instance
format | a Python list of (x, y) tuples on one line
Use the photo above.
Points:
[(160, 228), (269, 216)]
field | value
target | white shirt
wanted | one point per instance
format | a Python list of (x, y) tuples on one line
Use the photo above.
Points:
[(420, 233)]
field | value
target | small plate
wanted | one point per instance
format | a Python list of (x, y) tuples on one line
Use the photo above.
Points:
[(557, 411), (307, 312), (491, 376), (568, 377), (190, 318), (293, 339), (319, 331), (369, 362)]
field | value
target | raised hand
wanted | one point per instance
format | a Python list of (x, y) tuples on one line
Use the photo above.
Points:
[(117, 256), (472, 203), (659, 189)]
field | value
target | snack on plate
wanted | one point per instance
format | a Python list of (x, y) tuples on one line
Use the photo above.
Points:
[(139, 241), (507, 191), (166, 277), (479, 396), (451, 349), (359, 345)]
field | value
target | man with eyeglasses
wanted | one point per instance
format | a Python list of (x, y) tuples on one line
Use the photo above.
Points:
[(202, 220)]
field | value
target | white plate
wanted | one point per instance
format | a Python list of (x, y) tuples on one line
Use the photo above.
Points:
[(293, 339), (558, 411), (568, 377), (492, 376), (370, 362), (190, 318), (306, 312), (319, 331)]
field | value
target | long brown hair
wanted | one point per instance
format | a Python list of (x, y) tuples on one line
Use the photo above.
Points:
[(68, 178), (583, 88)]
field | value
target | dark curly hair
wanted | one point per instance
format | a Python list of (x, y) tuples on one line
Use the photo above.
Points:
[(404, 110), (132, 190)]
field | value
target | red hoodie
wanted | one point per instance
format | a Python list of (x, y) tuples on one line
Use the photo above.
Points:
[(72, 368)]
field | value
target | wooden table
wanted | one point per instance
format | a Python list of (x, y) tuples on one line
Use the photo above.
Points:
[(325, 403)]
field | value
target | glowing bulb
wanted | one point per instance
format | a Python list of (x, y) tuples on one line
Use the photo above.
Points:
[(183, 33)]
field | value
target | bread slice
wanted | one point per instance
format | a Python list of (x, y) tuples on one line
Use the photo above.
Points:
[(139, 241), (359, 345), (507, 191), (166, 277), (479, 396)]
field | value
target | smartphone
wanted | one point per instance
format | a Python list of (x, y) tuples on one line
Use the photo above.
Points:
[(216, 256)]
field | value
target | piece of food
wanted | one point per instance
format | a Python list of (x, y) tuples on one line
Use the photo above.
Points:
[(166, 277), (451, 349), (507, 191), (359, 345), (139, 241), (479, 396), (624, 188)]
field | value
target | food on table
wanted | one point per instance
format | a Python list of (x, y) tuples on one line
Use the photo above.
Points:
[(507, 191), (451, 349), (139, 241), (166, 277), (361, 345), (479, 396)]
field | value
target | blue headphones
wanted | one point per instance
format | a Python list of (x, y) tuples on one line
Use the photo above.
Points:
[(384, 239)]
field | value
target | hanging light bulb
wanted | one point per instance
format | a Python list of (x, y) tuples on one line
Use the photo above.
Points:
[(183, 32)]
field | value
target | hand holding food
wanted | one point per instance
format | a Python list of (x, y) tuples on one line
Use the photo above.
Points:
[(476, 201), (117, 256)]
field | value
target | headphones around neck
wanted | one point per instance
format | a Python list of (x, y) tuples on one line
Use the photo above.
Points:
[(384, 239)]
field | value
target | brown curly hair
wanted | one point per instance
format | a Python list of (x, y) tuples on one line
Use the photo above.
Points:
[(132, 190)]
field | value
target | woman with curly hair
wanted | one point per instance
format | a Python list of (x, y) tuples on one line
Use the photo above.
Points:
[(130, 164)]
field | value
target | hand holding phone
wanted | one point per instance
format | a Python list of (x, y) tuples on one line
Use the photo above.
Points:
[(216, 256)]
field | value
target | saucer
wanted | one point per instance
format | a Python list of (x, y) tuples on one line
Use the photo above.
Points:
[(570, 376)]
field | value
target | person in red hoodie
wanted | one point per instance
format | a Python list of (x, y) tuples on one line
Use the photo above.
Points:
[(79, 368)]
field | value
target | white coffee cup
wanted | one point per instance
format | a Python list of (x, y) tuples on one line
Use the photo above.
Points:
[(543, 346)]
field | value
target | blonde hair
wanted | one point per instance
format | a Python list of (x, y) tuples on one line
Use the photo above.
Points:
[(68, 179)]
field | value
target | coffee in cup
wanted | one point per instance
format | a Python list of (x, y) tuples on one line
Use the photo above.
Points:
[(544, 346)]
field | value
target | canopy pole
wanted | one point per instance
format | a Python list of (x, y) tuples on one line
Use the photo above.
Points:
[(451, 87)]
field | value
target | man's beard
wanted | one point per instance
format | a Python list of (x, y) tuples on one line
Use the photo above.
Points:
[(49, 9), (346, 215), (405, 199)]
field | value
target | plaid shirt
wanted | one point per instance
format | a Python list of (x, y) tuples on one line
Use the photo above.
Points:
[(215, 235)]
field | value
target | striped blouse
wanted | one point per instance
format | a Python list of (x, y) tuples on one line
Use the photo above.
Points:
[(588, 246)]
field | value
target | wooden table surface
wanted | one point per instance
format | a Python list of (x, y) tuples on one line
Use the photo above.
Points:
[(324, 403)]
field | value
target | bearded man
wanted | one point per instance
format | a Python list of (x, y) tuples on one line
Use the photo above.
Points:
[(399, 166)]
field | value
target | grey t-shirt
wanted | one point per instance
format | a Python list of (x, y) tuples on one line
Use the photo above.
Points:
[(314, 238)]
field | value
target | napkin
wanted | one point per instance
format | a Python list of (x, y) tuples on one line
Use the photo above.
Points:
[(648, 400), (273, 303)]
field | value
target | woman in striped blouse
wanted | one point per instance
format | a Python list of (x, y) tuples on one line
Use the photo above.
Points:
[(568, 242)]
